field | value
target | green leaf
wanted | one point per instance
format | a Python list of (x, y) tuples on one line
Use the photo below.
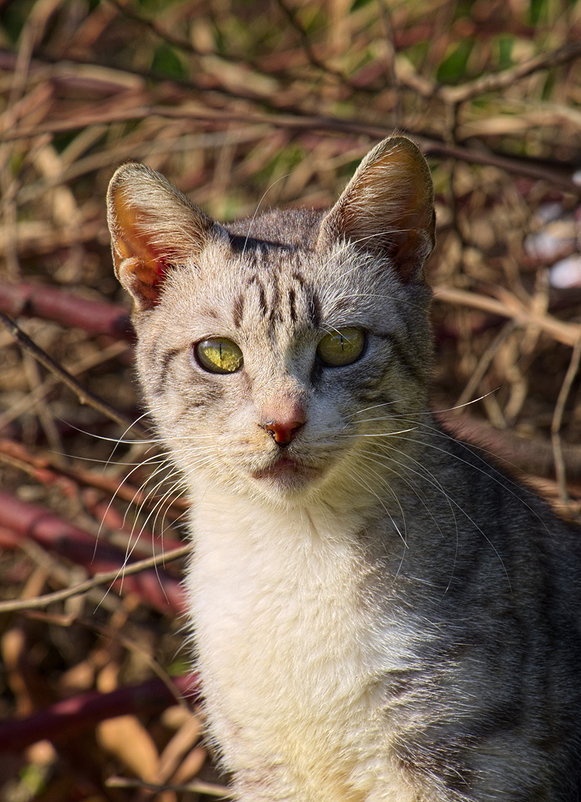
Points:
[(167, 62), (357, 4), (505, 45), (453, 67), (537, 10)]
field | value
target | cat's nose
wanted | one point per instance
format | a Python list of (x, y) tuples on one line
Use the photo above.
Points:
[(284, 426)]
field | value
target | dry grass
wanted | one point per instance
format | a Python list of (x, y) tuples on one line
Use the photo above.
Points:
[(239, 104)]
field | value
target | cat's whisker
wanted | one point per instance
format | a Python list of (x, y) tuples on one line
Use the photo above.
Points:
[(393, 433), (135, 467), (136, 493), (163, 501), (366, 486), (430, 479), (150, 494), (402, 476), (117, 440), (423, 474), (135, 536), (161, 506), (373, 406), (485, 469)]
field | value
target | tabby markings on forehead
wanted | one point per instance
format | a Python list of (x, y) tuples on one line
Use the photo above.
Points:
[(314, 308), (271, 301), (261, 292), (291, 305), (238, 310), (275, 312)]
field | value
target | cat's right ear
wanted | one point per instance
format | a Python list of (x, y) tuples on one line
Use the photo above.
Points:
[(153, 228), (387, 208)]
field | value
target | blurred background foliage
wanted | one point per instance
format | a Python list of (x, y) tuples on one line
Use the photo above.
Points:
[(246, 105)]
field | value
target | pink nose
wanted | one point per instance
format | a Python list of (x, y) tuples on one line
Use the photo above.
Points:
[(284, 425)]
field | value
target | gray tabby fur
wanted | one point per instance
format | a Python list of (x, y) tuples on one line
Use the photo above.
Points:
[(388, 617)]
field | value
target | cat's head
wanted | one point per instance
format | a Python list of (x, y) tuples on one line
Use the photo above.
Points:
[(284, 355)]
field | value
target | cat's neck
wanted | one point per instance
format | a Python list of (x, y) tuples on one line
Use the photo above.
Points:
[(253, 519)]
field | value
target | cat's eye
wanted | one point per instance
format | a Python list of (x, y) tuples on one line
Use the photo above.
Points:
[(218, 355), (341, 347)]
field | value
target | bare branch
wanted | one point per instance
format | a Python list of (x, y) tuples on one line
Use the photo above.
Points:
[(105, 578), (82, 712), (511, 307), (85, 396), (51, 303), (502, 80)]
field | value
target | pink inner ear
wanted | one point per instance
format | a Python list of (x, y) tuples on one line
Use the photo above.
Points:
[(142, 262)]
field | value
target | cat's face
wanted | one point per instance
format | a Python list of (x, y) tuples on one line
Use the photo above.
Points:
[(266, 370), (275, 370)]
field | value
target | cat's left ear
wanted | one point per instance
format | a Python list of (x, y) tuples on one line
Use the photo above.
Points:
[(387, 208), (154, 228)]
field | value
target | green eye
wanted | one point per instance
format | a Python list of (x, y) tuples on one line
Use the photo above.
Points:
[(219, 355), (341, 347)]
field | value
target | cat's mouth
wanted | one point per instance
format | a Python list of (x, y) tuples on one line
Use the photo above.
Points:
[(287, 472)]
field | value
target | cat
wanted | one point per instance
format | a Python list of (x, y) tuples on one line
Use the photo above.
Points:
[(378, 613)]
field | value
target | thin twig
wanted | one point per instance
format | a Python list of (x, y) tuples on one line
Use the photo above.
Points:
[(196, 787), (314, 60), (557, 421), (103, 578), (483, 363), (559, 330), (71, 716), (46, 468), (85, 396), (294, 119), (502, 80)]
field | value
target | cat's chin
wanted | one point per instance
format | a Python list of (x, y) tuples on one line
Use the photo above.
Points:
[(287, 475)]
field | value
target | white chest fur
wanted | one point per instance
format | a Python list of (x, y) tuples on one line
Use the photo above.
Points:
[(289, 654)]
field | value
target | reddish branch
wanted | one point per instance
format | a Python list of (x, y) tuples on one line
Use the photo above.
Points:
[(95, 317), (84, 711), (18, 519), (48, 471), (529, 455)]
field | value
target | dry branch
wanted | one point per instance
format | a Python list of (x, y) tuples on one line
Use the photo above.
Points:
[(502, 80), (195, 787), (51, 303), (84, 711), (19, 519), (100, 578), (297, 121), (85, 396), (527, 455), (514, 309), (48, 470)]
